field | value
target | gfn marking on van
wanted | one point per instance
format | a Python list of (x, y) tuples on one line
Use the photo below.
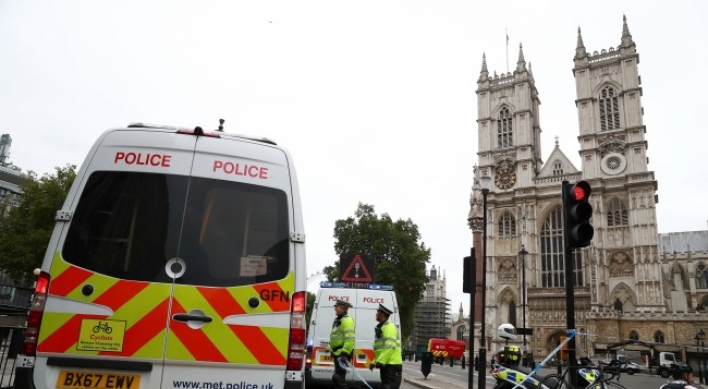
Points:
[(178, 256)]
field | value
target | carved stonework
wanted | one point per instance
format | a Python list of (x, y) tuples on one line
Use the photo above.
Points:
[(621, 265), (476, 224), (474, 217), (612, 144), (507, 270), (505, 172)]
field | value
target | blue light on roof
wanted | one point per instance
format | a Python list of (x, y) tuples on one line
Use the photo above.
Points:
[(330, 284), (380, 287)]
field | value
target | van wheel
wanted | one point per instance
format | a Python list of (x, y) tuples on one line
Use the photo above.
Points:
[(630, 372)]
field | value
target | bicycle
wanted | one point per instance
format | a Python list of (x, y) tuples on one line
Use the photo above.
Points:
[(102, 327), (589, 377)]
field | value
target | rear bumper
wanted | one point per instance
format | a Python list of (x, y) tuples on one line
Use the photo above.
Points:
[(24, 378)]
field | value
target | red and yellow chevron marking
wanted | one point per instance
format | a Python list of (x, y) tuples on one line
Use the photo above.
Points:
[(440, 353), (368, 352), (144, 307), (369, 357)]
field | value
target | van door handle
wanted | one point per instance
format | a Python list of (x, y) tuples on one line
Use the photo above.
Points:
[(188, 317)]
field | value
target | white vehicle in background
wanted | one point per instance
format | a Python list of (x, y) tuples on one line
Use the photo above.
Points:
[(320, 364)]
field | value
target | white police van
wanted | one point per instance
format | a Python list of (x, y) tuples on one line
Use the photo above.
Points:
[(177, 261), (319, 365)]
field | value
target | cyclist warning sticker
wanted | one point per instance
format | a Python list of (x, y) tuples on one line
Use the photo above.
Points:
[(101, 335)]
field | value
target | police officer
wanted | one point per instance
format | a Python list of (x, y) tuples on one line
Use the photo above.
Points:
[(387, 349), (341, 342)]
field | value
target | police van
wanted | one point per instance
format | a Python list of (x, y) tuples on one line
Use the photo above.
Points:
[(177, 261), (320, 362)]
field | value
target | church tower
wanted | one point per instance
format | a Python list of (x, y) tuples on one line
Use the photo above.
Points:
[(508, 126), (613, 150)]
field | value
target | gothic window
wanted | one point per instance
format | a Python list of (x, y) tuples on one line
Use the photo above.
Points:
[(461, 332), (701, 276), (505, 130), (617, 214), (557, 168), (552, 263), (633, 335), (609, 109), (659, 337), (704, 303), (507, 225), (512, 313)]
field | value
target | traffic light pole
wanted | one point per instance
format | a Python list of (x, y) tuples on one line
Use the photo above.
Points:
[(473, 289), (569, 290)]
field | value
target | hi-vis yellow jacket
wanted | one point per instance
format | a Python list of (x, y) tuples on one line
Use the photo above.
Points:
[(387, 348), (341, 339)]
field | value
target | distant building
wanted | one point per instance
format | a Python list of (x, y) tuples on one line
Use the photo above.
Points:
[(432, 313), (15, 298)]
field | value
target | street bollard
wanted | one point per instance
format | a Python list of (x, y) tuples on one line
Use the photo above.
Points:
[(462, 361), (426, 363)]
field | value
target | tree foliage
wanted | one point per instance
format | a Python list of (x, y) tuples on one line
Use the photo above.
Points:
[(311, 297), (25, 232), (399, 259)]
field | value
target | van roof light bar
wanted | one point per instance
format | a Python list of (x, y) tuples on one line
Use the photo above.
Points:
[(330, 284)]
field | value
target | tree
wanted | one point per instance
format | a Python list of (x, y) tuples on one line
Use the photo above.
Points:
[(311, 298), (399, 259), (25, 231)]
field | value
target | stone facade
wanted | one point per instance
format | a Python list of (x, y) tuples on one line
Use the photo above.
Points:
[(627, 284)]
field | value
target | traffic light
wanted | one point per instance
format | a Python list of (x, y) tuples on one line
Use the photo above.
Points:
[(577, 213), (468, 273)]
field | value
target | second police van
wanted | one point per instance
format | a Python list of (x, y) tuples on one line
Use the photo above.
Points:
[(320, 363), (177, 261)]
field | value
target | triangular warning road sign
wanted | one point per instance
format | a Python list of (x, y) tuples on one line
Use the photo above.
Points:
[(357, 271)]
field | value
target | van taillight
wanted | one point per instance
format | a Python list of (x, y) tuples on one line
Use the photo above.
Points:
[(34, 319), (296, 346)]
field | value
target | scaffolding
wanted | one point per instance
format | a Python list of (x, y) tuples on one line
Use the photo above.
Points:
[(432, 320)]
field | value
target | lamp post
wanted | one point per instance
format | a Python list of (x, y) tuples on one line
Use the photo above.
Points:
[(484, 182), (473, 283), (700, 341), (523, 253)]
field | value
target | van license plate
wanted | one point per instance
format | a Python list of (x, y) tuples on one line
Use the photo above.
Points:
[(326, 358), (78, 379)]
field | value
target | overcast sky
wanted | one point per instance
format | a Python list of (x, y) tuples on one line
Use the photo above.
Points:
[(375, 99)]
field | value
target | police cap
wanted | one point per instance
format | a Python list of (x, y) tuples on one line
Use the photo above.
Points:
[(385, 310), (343, 303)]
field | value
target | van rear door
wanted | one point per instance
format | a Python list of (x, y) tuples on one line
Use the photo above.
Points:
[(104, 320), (229, 321)]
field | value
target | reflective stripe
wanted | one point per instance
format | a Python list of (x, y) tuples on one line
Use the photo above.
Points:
[(143, 306)]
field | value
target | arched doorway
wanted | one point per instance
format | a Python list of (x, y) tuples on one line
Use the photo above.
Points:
[(553, 340)]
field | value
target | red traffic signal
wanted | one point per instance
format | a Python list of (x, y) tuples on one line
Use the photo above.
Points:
[(580, 191), (577, 212)]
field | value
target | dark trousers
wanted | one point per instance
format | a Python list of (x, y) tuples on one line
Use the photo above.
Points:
[(388, 375), (340, 375)]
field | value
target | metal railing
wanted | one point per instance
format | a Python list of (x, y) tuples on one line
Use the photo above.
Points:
[(11, 339)]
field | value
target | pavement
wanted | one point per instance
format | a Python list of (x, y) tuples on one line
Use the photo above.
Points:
[(435, 381), (432, 382)]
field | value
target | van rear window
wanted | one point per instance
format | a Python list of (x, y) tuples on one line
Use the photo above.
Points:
[(139, 225)]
